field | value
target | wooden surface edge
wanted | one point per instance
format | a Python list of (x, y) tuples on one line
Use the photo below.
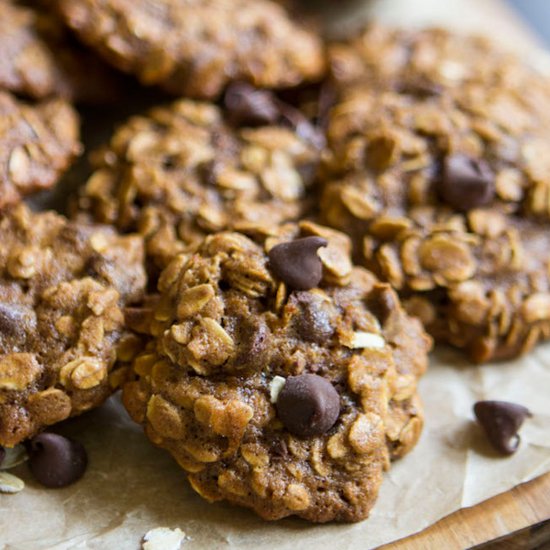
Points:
[(521, 507)]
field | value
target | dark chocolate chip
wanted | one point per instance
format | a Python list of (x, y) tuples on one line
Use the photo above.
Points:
[(382, 302), (2, 455), (314, 316), (248, 106), (297, 263), (279, 450), (56, 461), (466, 182), (421, 87), (501, 421), (308, 405), (252, 337), (295, 119)]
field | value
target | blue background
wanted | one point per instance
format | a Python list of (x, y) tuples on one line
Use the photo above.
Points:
[(537, 14)]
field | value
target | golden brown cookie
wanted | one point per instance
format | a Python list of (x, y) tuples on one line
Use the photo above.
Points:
[(196, 47), (439, 172), (279, 376), (39, 58), (185, 170), (63, 287), (37, 143)]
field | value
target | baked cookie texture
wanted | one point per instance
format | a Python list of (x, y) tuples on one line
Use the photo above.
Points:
[(63, 287), (183, 172), (37, 143), (196, 47), (227, 332), (40, 59), (439, 172)]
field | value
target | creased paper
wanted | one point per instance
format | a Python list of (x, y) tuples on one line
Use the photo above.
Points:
[(132, 487)]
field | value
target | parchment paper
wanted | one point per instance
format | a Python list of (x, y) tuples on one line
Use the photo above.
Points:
[(132, 487)]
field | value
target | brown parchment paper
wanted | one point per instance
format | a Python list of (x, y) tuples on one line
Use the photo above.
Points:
[(132, 487)]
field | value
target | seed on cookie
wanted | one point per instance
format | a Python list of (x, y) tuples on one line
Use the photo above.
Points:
[(275, 387), (370, 340)]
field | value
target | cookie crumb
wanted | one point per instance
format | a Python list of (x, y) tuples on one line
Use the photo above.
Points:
[(163, 538), (10, 484)]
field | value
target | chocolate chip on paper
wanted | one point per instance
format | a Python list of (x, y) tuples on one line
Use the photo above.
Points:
[(467, 182), (56, 461), (501, 421), (308, 405), (296, 262)]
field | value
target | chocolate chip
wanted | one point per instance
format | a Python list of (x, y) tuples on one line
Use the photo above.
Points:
[(2, 455), (297, 263), (420, 87), (295, 119), (501, 421), (56, 461), (252, 335), (314, 316), (382, 302), (467, 182), (308, 405), (249, 106)]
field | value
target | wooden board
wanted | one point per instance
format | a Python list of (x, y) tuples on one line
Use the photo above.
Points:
[(514, 511)]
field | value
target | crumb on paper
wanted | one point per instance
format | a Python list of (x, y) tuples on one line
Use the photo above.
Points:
[(10, 484), (163, 538)]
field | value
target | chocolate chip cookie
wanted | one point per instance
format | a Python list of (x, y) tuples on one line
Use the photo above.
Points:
[(196, 47), (62, 289), (40, 59), (37, 143), (438, 170), (190, 169), (280, 377)]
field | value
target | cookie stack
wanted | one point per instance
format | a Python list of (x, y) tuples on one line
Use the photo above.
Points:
[(297, 210)]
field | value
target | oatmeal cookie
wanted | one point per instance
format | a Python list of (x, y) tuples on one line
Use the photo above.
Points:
[(183, 171), (439, 145), (196, 47), (37, 143), (62, 290), (40, 59), (280, 377)]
